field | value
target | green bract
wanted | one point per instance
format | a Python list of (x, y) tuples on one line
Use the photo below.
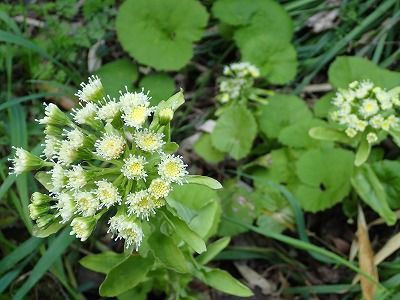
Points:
[(160, 33)]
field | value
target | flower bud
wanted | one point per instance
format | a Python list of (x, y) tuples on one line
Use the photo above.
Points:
[(166, 115), (82, 227)]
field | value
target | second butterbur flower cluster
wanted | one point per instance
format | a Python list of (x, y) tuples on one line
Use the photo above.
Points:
[(105, 154), (367, 109), (237, 80)]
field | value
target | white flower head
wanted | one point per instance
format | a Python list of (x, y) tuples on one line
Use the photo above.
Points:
[(390, 122), (129, 99), (86, 114), (65, 206), (82, 227), (172, 168), (51, 147), (24, 161), (159, 188), (86, 203), (110, 146), (369, 107), (372, 138), (141, 204), (126, 228), (134, 167), (67, 154), (136, 115), (107, 193), (40, 199), (58, 179), (75, 138), (91, 91), (109, 110), (149, 141), (76, 177)]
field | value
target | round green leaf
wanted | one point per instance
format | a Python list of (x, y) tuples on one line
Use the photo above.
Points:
[(296, 135), (116, 75), (280, 112), (266, 15), (204, 148), (229, 134), (160, 33), (276, 59), (161, 86), (346, 69), (324, 176)]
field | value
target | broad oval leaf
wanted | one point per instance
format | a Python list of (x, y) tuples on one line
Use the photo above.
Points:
[(161, 86), (165, 249), (103, 262), (126, 275), (329, 134), (204, 180), (160, 33), (228, 135), (213, 250), (224, 282), (371, 191)]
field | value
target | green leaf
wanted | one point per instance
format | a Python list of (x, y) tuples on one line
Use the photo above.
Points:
[(126, 275), (372, 192), (346, 69), (204, 148), (329, 134), (162, 32), (51, 229), (213, 250), (362, 152), (161, 86), (170, 147), (204, 180), (261, 16), (224, 282), (296, 135), (228, 135), (45, 179), (23, 250), (281, 112), (276, 59), (116, 75), (193, 240), (388, 172), (165, 249), (55, 250), (236, 202), (324, 176), (324, 105), (103, 262), (198, 206)]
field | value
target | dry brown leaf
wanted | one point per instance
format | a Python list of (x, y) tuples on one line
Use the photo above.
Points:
[(254, 279), (366, 258), (392, 245)]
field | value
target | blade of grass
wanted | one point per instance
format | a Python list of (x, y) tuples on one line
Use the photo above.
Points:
[(57, 248), (24, 249), (340, 45), (303, 246), (10, 276), (14, 101)]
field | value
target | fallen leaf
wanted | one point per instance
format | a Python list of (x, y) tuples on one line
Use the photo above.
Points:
[(366, 258)]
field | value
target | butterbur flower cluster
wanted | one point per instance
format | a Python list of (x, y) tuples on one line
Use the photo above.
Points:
[(238, 79), (366, 110), (109, 154)]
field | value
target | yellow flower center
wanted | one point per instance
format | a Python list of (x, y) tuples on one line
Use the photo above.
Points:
[(139, 114), (135, 168), (172, 169)]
